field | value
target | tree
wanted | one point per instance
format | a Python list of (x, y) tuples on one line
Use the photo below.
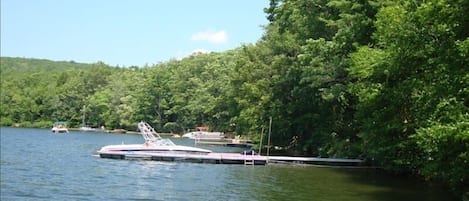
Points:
[(411, 87)]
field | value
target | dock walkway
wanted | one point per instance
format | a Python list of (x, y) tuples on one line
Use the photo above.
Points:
[(231, 158)]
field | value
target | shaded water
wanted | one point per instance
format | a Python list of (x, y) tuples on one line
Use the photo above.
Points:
[(39, 165)]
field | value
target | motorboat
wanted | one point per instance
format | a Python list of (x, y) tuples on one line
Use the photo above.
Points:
[(84, 127), (59, 127), (87, 129), (154, 145), (204, 135)]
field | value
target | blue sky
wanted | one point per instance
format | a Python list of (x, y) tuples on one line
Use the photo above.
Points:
[(127, 32)]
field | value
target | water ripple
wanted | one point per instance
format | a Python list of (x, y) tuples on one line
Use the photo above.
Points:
[(38, 165)]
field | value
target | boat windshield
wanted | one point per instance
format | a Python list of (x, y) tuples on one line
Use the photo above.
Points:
[(164, 142)]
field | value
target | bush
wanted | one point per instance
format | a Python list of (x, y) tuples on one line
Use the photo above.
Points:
[(5, 121), (446, 154)]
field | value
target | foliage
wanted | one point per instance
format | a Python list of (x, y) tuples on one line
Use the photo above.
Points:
[(386, 81), (412, 85)]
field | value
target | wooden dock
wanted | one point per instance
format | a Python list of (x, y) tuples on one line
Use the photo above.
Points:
[(214, 158), (231, 158), (316, 161)]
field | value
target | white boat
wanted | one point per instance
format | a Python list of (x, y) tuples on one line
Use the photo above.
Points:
[(154, 144), (59, 127), (204, 135), (87, 128), (84, 127)]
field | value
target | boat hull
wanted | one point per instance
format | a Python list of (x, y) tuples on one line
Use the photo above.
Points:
[(203, 135), (59, 130), (87, 129)]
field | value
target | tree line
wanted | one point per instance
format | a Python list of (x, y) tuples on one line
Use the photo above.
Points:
[(387, 81)]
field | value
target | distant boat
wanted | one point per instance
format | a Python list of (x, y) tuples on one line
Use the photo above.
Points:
[(202, 133), (87, 128), (84, 127), (59, 127)]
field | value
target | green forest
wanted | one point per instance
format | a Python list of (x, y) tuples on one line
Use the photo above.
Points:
[(386, 81)]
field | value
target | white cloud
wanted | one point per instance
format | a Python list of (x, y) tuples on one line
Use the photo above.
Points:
[(210, 36)]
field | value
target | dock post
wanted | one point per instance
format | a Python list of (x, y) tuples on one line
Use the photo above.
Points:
[(268, 139), (260, 144)]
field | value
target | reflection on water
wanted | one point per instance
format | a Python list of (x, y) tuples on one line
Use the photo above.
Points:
[(39, 165), (318, 183)]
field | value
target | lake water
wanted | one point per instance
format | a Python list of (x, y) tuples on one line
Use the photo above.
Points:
[(39, 165)]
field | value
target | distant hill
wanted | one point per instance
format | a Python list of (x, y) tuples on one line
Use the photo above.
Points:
[(25, 65)]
